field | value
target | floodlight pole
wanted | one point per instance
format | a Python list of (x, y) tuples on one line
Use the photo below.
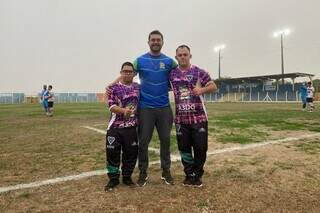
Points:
[(282, 34), (219, 63), (282, 60), (218, 49)]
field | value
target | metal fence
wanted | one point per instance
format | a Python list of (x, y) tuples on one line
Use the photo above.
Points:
[(11, 98), (76, 97), (269, 96), (275, 96), (17, 98)]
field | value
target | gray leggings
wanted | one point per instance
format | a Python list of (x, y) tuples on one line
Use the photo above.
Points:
[(162, 119)]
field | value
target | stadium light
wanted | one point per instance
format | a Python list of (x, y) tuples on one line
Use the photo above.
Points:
[(282, 33), (218, 49)]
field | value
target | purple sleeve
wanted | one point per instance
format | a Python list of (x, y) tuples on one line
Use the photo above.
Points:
[(112, 99), (204, 78), (137, 88)]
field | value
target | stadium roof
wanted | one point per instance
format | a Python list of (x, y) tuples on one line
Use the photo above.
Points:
[(255, 79)]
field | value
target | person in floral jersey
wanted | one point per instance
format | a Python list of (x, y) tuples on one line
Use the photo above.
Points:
[(122, 129), (189, 83)]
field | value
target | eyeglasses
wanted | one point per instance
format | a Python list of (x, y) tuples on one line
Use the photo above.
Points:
[(127, 71)]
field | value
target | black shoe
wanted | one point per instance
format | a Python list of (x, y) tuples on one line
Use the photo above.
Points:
[(188, 181), (127, 181), (143, 178), (166, 176), (197, 181), (113, 182)]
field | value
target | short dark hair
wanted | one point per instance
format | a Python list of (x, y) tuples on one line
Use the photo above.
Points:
[(127, 64), (183, 46), (155, 32), (50, 86), (309, 82)]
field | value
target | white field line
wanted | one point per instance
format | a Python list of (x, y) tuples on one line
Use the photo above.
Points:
[(95, 129), (173, 158), (104, 132), (105, 124), (52, 181)]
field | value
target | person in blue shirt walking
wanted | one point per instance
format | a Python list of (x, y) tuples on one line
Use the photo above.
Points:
[(44, 101), (154, 68), (303, 95)]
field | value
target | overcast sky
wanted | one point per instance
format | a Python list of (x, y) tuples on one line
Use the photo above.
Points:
[(78, 45)]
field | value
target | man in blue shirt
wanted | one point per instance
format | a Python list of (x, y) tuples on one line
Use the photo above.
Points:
[(154, 107), (303, 94), (44, 101)]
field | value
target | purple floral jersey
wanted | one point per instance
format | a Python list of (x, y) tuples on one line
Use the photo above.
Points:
[(190, 108), (124, 96)]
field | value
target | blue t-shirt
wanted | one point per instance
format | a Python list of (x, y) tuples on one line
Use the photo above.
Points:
[(303, 92), (45, 95), (154, 79)]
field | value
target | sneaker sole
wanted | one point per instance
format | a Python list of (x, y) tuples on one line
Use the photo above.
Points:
[(145, 183), (109, 189), (166, 182), (187, 185)]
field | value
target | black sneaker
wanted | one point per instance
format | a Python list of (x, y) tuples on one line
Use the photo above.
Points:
[(188, 181), (113, 182), (197, 182), (166, 176), (127, 181), (143, 178)]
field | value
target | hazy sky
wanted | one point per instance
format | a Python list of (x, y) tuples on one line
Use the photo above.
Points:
[(79, 45)]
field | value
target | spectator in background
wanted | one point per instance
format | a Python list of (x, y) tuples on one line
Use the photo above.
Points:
[(303, 95), (310, 93), (50, 99), (44, 101)]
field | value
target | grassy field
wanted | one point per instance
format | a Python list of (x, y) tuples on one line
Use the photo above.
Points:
[(283, 177)]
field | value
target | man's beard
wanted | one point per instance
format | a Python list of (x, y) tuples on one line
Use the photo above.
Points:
[(155, 48)]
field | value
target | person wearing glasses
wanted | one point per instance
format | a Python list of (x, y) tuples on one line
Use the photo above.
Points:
[(122, 129)]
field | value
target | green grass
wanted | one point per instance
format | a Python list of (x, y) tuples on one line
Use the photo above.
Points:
[(248, 123), (310, 147), (203, 204), (235, 138)]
